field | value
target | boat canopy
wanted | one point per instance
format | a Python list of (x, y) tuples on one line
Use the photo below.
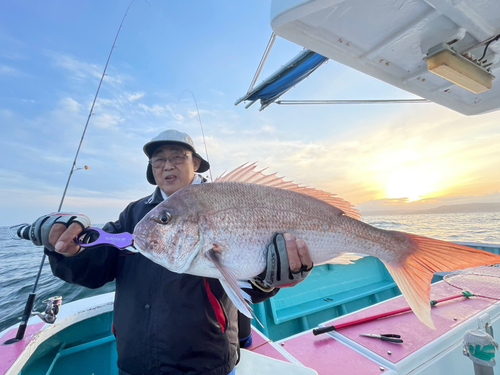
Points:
[(445, 51), (289, 75)]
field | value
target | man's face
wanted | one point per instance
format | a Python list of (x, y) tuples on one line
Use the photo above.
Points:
[(171, 177)]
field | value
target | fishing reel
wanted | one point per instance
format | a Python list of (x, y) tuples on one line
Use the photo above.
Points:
[(51, 310)]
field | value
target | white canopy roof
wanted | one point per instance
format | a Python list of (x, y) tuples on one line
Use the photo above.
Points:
[(389, 39)]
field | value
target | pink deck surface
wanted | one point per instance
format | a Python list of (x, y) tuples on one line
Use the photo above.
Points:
[(415, 334), (262, 345), (9, 353), (328, 356)]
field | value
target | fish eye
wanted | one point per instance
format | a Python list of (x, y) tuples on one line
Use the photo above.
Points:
[(163, 218)]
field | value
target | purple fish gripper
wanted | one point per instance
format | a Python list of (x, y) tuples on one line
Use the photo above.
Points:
[(120, 240)]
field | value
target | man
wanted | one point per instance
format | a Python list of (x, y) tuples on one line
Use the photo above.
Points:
[(164, 323)]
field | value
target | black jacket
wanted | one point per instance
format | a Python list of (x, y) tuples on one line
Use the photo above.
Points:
[(164, 322)]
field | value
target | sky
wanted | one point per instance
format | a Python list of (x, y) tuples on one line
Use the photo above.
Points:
[(52, 54)]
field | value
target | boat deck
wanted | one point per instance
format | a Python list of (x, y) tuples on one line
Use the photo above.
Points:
[(424, 350)]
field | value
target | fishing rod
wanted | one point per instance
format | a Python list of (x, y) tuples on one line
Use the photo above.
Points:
[(201, 126), (31, 298)]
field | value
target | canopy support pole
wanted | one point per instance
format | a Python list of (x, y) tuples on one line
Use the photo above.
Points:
[(316, 102), (262, 61)]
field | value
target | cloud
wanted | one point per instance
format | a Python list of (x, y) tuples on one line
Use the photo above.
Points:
[(9, 177), (437, 150), (7, 114), (100, 209), (14, 56), (403, 204), (219, 93), (162, 110), (262, 130), (9, 71), (155, 109), (67, 115), (106, 120), (135, 96), (69, 104), (82, 71)]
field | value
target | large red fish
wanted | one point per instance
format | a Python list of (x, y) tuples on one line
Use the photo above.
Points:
[(221, 230)]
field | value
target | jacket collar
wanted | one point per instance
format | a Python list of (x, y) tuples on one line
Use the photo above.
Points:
[(155, 198)]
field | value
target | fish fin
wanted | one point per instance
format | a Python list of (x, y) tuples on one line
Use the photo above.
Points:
[(343, 258), (230, 285), (430, 255), (244, 284), (234, 296), (247, 285), (247, 173)]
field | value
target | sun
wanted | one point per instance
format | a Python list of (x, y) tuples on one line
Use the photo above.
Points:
[(408, 184)]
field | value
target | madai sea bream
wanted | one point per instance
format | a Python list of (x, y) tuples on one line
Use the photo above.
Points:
[(221, 230)]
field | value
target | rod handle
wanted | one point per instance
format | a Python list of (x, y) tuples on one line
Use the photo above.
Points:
[(26, 315), (24, 232), (320, 330)]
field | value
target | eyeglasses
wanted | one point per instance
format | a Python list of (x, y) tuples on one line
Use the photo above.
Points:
[(176, 159)]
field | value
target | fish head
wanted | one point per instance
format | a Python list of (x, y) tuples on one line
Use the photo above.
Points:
[(169, 235)]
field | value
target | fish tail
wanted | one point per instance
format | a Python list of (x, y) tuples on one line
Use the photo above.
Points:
[(414, 276)]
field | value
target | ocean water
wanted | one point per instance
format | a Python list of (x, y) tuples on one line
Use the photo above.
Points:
[(466, 227), (20, 259), (19, 264)]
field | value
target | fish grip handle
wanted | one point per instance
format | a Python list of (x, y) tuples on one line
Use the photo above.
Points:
[(95, 236)]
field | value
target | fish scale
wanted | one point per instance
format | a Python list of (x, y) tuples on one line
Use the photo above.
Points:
[(266, 212)]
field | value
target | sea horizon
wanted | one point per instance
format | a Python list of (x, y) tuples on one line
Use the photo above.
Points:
[(443, 209)]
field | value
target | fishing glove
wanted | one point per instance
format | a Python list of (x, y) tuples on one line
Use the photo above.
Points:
[(39, 231), (277, 272)]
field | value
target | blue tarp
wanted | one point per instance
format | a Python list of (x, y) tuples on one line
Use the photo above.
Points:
[(285, 78)]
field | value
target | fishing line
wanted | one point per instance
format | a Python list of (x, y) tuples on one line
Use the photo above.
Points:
[(31, 298), (201, 126), (482, 281)]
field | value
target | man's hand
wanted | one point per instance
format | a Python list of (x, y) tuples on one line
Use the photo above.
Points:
[(298, 255), (288, 263), (57, 231)]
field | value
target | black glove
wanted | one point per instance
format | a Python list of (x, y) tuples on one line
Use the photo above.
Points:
[(277, 272), (40, 229)]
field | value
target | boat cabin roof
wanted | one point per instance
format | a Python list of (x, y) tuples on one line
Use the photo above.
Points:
[(389, 40)]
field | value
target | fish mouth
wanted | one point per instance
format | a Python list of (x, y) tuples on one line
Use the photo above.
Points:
[(144, 245), (149, 247), (141, 243)]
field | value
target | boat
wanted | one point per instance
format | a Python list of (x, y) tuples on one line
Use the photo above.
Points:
[(79, 340)]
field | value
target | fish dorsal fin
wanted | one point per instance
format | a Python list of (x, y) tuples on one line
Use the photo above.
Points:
[(247, 173)]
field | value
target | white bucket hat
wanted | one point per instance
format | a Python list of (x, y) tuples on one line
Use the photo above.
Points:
[(171, 136)]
